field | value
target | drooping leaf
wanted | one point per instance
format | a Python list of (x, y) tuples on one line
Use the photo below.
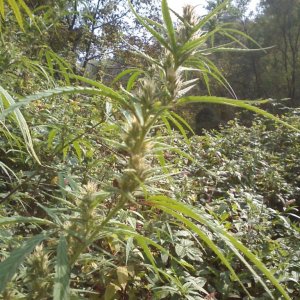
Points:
[(7, 170), (127, 231), (179, 126), (14, 6), (206, 239), (14, 106), (106, 91), (235, 103), (132, 79), (126, 72), (2, 12), (183, 121), (176, 208), (22, 124)]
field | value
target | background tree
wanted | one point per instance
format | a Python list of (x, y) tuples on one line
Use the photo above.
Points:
[(278, 25)]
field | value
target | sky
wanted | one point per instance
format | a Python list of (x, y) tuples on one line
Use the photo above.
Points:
[(177, 5)]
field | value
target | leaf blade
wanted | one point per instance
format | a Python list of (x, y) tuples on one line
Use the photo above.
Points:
[(235, 103), (62, 274), (169, 24), (9, 266)]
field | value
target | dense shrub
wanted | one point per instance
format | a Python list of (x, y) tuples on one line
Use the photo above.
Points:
[(247, 178)]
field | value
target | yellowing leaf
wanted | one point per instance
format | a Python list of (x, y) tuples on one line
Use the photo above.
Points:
[(122, 273), (111, 291)]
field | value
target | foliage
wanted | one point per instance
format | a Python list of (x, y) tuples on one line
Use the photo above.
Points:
[(274, 72), (248, 178), (95, 202)]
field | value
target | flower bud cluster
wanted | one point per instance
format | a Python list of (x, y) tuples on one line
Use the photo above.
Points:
[(185, 31), (147, 92), (173, 79), (38, 271)]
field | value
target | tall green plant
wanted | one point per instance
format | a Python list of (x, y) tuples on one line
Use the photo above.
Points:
[(145, 103)]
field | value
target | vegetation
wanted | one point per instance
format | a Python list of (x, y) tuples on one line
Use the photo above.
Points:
[(267, 74), (106, 193)]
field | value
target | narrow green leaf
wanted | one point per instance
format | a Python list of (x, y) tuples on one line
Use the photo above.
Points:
[(22, 124), (243, 34), (183, 121), (127, 231), (211, 70), (180, 128), (52, 59), (61, 182), (26, 9), (142, 243), (77, 150), (209, 16), (49, 63), (14, 6), (179, 17), (205, 239), (181, 208), (149, 28), (65, 151), (235, 103), (106, 91), (62, 272), (182, 153), (51, 212), (124, 73), (169, 24), (52, 134), (145, 56), (175, 149), (8, 171), (189, 212), (207, 82), (10, 265), (36, 67), (196, 43), (2, 12), (51, 93), (132, 80), (161, 159), (138, 112), (154, 23), (243, 50), (63, 70), (167, 124), (233, 38), (29, 13)]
